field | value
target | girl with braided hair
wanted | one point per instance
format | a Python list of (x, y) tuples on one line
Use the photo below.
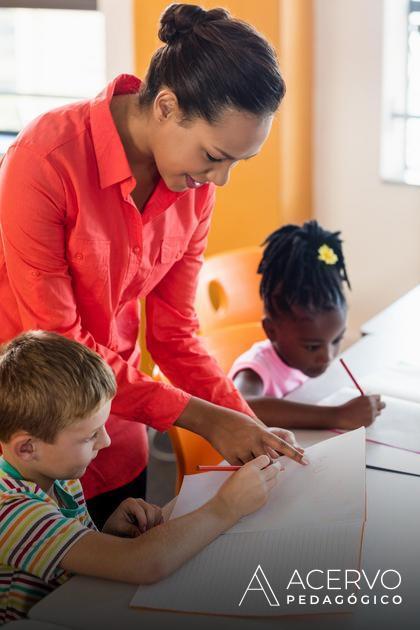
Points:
[(303, 275)]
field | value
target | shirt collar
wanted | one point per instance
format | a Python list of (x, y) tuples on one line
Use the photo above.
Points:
[(9, 469), (112, 161), (71, 505)]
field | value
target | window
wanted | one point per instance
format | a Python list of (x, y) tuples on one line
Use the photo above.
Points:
[(400, 151), (49, 58)]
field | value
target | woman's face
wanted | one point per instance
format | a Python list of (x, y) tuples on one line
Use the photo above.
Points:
[(189, 154)]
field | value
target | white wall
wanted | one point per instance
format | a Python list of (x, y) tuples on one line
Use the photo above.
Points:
[(380, 221), (119, 36)]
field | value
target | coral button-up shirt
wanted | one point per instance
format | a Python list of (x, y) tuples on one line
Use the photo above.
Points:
[(76, 255)]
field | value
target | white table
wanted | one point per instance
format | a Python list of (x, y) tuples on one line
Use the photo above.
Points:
[(392, 540), (403, 314)]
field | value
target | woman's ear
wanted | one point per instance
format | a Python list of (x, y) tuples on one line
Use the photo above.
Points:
[(166, 106)]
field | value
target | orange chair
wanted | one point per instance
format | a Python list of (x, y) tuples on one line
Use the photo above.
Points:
[(225, 345), (190, 450), (228, 289)]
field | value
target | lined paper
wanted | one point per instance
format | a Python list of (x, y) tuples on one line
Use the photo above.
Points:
[(395, 433), (312, 520), (304, 493)]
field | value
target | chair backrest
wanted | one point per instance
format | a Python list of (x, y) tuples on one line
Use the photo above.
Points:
[(190, 450), (224, 345), (228, 289)]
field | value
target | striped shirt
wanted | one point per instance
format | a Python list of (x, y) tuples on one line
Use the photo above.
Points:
[(35, 533)]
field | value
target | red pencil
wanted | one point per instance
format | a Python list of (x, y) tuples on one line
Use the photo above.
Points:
[(343, 363), (219, 468)]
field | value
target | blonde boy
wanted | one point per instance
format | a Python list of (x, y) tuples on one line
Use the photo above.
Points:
[(55, 398)]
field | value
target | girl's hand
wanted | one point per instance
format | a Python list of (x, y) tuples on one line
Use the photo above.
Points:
[(247, 489), (359, 412), (132, 518)]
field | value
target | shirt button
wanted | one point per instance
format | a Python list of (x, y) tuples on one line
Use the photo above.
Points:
[(136, 250), (36, 274), (79, 256)]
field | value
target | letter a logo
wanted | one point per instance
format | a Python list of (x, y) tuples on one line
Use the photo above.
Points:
[(263, 585)]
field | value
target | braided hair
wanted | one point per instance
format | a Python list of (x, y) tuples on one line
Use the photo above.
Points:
[(303, 266)]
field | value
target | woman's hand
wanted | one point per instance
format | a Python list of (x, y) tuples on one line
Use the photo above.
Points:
[(235, 435), (288, 437), (359, 412), (132, 518)]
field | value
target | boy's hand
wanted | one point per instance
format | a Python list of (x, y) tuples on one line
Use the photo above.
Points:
[(247, 489), (132, 518), (359, 412)]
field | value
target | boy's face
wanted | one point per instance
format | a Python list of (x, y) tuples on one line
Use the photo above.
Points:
[(74, 447), (307, 342)]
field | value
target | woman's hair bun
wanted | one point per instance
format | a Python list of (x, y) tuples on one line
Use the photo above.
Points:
[(179, 20)]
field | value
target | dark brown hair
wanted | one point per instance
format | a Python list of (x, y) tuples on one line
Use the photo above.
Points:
[(47, 382), (212, 61)]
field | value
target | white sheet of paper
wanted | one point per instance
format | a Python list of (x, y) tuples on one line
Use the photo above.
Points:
[(398, 425), (399, 380), (310, 494), (215, 581), (314, 518), (392, 459)]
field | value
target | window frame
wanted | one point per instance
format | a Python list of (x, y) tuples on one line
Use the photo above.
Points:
[(395, 114)]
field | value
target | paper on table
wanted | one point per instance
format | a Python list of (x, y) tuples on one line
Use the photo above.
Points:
[(393, 459), (399, 380), (313, 519), (215, 581), (398, 425), (305, 494)]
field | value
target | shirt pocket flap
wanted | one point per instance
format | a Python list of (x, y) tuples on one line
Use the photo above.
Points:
[(89, 266)]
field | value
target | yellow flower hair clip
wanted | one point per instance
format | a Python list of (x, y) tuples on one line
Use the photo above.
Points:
[(327, 255)]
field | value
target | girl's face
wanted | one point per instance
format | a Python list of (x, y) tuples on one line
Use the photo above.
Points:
[(191, 153), (306, 341)]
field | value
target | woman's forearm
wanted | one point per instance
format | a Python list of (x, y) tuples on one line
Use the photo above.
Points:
[(201, 416)]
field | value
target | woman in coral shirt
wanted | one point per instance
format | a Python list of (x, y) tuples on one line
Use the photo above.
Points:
[(107, 201)]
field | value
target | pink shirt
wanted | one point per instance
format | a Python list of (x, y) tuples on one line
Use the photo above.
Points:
[(278, 378)]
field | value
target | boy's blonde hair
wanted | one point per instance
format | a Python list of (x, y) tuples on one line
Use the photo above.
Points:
[(47, 382)]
